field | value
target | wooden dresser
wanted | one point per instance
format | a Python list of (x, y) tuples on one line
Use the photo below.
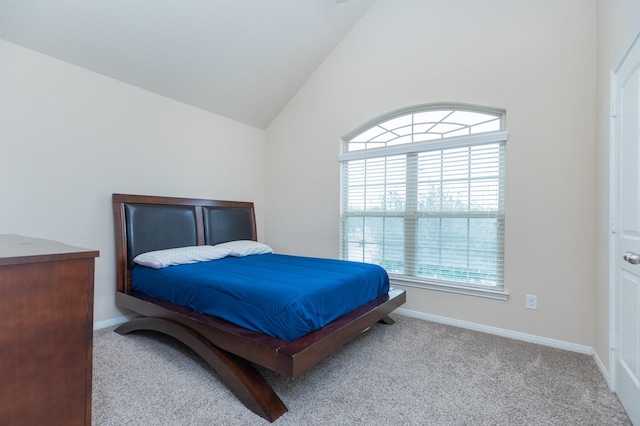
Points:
[(46, 332)]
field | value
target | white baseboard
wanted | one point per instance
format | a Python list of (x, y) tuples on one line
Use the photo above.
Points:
[(559, 344), (443, 320), (113, 321), (603, 370)]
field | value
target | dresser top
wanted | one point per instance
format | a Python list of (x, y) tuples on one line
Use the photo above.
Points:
[(17, 249)]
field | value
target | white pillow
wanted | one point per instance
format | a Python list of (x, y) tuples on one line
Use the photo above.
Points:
[(180, 256), (242, 248)]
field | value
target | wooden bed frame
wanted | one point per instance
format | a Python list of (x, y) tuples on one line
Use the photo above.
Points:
[(147, 223)]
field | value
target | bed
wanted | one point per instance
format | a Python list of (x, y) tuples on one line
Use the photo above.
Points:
[(146, 224)]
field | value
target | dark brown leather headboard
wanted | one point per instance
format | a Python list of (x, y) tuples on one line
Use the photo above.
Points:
[(145, 223), (224, 223), (157, 226)]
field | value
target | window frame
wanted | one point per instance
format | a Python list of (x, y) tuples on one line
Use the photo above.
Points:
[(409, 149)]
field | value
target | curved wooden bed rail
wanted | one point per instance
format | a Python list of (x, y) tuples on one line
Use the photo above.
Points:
[(237, 373)]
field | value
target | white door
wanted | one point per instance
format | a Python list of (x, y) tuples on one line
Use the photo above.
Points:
[(625, 256)]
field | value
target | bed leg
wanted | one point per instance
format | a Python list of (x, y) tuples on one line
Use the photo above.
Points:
[(237, 373), (386, 320)]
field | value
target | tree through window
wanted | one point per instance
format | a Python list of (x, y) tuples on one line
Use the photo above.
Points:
[(422, 194)]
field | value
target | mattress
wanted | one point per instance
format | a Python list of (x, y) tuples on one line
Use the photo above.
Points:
[(280, 295)]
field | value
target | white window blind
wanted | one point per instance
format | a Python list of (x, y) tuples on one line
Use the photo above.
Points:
[(422, 194)]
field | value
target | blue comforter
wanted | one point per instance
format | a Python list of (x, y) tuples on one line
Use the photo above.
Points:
[(280, 295)]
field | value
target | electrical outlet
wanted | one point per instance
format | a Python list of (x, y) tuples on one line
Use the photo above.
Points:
[(531, 302)]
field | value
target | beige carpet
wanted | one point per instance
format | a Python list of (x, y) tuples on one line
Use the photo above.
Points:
[(411, 373)]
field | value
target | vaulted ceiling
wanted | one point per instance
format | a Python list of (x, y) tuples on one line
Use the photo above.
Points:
[(242, 59)]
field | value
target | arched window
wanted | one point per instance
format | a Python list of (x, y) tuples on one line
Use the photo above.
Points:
[(422, 194)]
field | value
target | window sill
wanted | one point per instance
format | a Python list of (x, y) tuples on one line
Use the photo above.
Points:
[(450, 288)]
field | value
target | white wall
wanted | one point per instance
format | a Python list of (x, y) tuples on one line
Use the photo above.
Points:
[(537, 60), (63, 132), (69, 138), (618, 23)]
